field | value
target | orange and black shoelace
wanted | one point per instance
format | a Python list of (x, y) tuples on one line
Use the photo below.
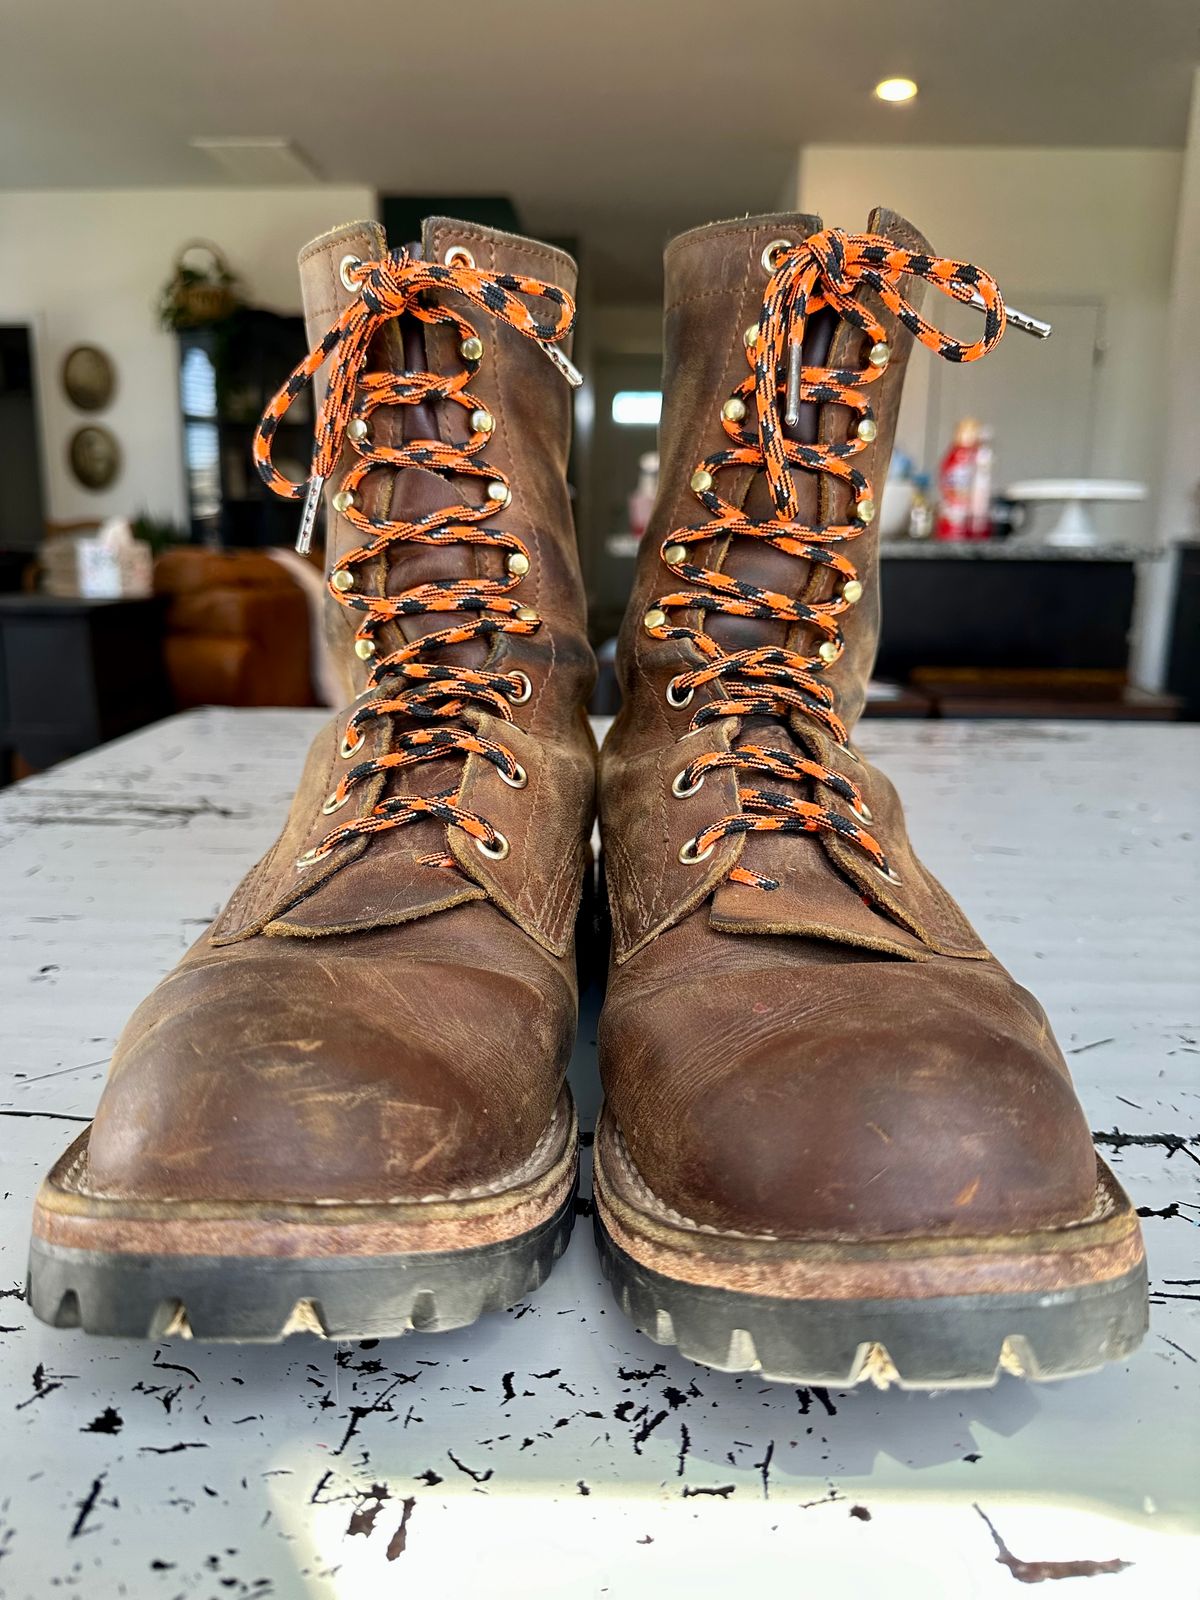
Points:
[(826, 269), (409, 684)]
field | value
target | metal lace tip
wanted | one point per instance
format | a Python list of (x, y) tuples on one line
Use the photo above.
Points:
[(795, 373), (1016, 319), (308, 517), (568, 368)]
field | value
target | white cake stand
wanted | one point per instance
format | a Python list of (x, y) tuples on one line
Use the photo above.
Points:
[(1074, 528)]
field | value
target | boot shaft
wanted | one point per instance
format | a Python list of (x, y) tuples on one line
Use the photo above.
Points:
[(530, 407), (461, 766), (754, 620), (715, 278)]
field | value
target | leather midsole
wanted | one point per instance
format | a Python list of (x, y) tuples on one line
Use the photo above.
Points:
[(1105, 1245), (65, 1216)]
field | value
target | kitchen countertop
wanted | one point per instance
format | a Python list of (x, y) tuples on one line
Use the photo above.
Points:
[(1013, 550), (552, 1450)]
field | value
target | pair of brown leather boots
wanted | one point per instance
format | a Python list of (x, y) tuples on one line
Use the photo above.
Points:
[(839, 1141)]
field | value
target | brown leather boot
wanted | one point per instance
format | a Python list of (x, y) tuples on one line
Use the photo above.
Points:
[(345, 1109), (839, 1141)]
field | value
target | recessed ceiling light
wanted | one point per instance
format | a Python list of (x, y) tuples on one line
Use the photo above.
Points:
[(896, 90)]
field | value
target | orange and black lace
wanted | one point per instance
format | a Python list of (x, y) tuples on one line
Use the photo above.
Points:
[(826, 269), (410, 685)]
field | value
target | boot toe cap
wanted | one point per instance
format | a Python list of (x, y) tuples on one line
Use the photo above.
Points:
[(303, 1072), (839, 1108)]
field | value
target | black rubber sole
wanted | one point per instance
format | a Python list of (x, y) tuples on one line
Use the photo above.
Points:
[(260, 1300), (951, 1342)]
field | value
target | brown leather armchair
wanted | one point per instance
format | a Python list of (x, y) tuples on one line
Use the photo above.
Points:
[(236, 629)]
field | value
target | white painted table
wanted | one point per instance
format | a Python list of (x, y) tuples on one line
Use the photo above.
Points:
[(552, 1450)]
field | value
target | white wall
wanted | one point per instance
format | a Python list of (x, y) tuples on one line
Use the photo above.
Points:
[(88, 266), (1086, 224), (1179, 498)]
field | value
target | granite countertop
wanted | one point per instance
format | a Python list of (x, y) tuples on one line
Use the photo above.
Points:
[(1014, 550)]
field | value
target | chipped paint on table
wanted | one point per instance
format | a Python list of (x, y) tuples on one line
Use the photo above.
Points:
[(552, 1450)]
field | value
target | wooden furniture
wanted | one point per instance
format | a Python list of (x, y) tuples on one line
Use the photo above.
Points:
[(1183, 656), (1004, 629), (1068, 695), (75, 673), (1004, 606), (553, 1450), (237, 629)]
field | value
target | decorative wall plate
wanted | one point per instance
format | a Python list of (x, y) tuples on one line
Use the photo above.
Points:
[(88, 377), (95, 456)]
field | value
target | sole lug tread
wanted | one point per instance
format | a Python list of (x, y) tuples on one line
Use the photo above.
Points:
[(261, 1300), (953, 1342)]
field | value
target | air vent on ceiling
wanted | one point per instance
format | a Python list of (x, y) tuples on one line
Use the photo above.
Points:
[(262, 162)]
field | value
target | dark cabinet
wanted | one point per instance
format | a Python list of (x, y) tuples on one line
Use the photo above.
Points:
[(227, 373), (75, 673)]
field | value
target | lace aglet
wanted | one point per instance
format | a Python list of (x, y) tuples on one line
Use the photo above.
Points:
[(795, 373), (568, 368), (308, 517), (1016, 319)]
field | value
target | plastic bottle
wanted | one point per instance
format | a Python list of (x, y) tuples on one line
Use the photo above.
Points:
[(956, 483), (980, 521), (920, 518)]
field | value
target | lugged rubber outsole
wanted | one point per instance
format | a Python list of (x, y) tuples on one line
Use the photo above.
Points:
[(262, 1299), (942, 1342)]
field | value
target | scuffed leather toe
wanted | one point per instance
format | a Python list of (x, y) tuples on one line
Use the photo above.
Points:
[(397, 1063), (789, 1105)]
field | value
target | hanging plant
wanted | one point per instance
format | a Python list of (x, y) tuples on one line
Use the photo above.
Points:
[(201, 291)]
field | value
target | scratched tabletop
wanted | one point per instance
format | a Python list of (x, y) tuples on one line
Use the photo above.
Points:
[(551, 1450)]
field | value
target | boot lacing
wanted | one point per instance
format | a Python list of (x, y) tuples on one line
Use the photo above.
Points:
[(419, 688), (826, 269)]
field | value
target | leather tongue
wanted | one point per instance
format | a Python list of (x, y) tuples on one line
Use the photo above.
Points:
[(418, 494), (756, 562), (759, 563)]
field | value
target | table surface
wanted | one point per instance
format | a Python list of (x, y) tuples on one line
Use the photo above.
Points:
[(552, 1449)]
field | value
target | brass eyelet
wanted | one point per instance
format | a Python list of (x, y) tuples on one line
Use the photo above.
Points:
[(494, 852), (846, 751), (459, 256), (332, 803), (777, 247), (675, 697), (308, 859), (519, 778), (526, 689), (888, 877), (862, 811), (347, 749), (348, 263), (681, 790), (689, 855)]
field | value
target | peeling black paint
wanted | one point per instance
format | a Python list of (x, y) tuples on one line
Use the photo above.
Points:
[(109, 1421), (1041, 1571)]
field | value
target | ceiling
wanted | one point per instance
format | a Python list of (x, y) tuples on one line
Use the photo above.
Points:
[(616, 121)]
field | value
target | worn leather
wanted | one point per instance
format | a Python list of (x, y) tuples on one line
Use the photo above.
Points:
[(393, 1063), (374, 1026), (840, 1054), (539, 882)]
